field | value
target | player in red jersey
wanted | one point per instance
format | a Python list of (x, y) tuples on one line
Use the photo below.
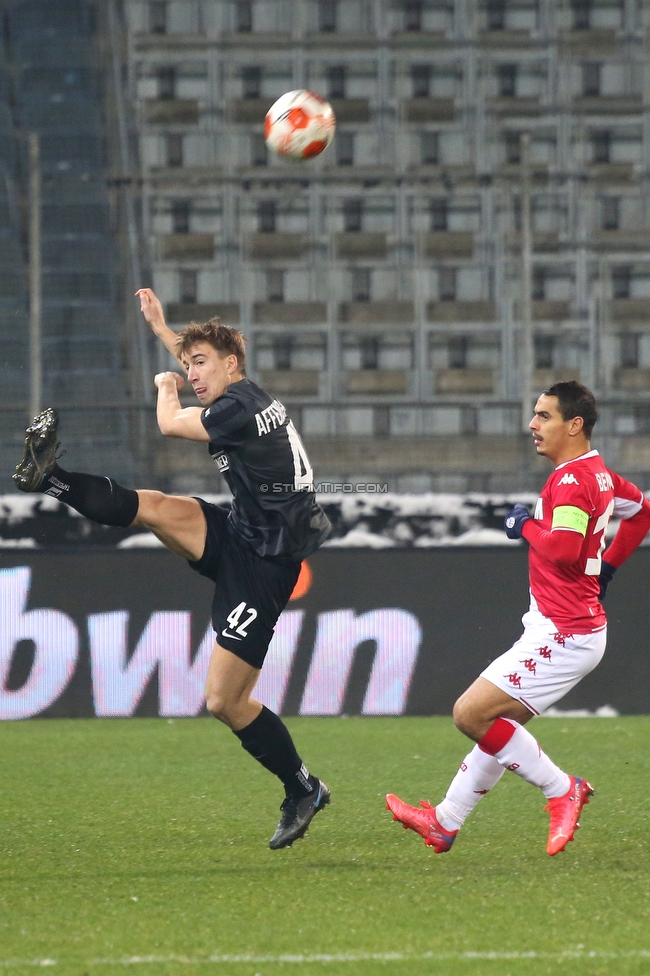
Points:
[(564, 629)]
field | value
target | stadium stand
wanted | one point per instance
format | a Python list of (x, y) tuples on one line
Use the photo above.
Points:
[(379, 283), (57, 92), (13, 286)]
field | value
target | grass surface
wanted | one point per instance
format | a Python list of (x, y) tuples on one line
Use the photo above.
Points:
[(149, 838)]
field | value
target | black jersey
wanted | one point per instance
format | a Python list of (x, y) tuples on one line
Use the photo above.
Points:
[(259, 452)]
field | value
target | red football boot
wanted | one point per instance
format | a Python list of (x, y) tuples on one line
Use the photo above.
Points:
[(423, 821), (565, 813)]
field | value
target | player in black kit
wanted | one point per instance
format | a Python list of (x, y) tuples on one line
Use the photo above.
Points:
[(253, 552)]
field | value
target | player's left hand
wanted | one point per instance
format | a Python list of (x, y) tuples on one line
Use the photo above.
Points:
[(606, 573), (151, 308), (514, 521)]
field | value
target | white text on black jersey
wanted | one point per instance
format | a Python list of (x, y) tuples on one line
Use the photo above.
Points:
[(271, 417)]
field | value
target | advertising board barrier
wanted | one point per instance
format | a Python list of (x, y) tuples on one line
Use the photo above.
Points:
[(126, 632)]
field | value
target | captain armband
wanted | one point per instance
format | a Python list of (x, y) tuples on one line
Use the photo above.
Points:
[(570, 517)]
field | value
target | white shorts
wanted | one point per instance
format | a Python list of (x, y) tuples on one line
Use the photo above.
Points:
[(545, 664)]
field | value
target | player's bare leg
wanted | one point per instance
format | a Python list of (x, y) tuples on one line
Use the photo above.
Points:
[(228, 689), (482, 703), (178, 522), (495, 720), (263, 734)]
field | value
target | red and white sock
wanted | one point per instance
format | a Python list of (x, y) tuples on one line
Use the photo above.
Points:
[(478, 773), (517, 750)]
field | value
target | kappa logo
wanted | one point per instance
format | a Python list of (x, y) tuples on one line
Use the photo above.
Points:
[(567, 479), (561, 638)]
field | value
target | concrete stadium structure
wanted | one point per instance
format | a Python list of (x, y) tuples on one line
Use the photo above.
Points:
[(380, 285)]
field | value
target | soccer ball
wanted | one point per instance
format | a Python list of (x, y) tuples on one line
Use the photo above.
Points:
[(299, 125)]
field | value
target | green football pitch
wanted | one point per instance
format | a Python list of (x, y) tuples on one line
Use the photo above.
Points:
[(141, 846)]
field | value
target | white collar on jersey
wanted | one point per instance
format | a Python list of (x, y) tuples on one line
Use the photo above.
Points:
[(581, 457)]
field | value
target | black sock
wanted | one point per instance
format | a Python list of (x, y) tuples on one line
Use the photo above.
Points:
[(94, 496), (267, 739)]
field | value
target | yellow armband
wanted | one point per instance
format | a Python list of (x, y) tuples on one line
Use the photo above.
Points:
[(570, 517)]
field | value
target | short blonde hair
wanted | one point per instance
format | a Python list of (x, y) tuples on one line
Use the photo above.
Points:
[(223, 338)]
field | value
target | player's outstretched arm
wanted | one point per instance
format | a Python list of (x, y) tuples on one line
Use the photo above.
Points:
[(152, 310), (175, 420)]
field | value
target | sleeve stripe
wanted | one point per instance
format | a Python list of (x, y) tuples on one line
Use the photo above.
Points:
[(626, 508)]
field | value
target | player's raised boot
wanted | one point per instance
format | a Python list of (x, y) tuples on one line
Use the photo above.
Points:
[(423, 821), (40, 451), (297, 814), (565, 814)]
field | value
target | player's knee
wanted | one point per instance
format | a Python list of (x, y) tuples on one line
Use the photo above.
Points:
[(464, 716), (151, 507), (221, 706), (216, 704)]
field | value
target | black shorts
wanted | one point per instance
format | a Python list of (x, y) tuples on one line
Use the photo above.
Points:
[(251, 591)]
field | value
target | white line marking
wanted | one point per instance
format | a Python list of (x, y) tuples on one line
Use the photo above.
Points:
[(352, 957), (27, 962)]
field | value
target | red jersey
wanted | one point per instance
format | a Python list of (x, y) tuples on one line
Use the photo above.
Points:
[(580, 496)]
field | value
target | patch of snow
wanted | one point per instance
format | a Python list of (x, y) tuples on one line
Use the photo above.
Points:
[(473, 537), (358, 538), (605, 711), (142, 540), (16, 508), (371, 520)]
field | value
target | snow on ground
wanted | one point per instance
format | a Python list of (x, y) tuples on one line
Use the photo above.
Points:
[(372, 521), (605, 711), (358, 521)]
